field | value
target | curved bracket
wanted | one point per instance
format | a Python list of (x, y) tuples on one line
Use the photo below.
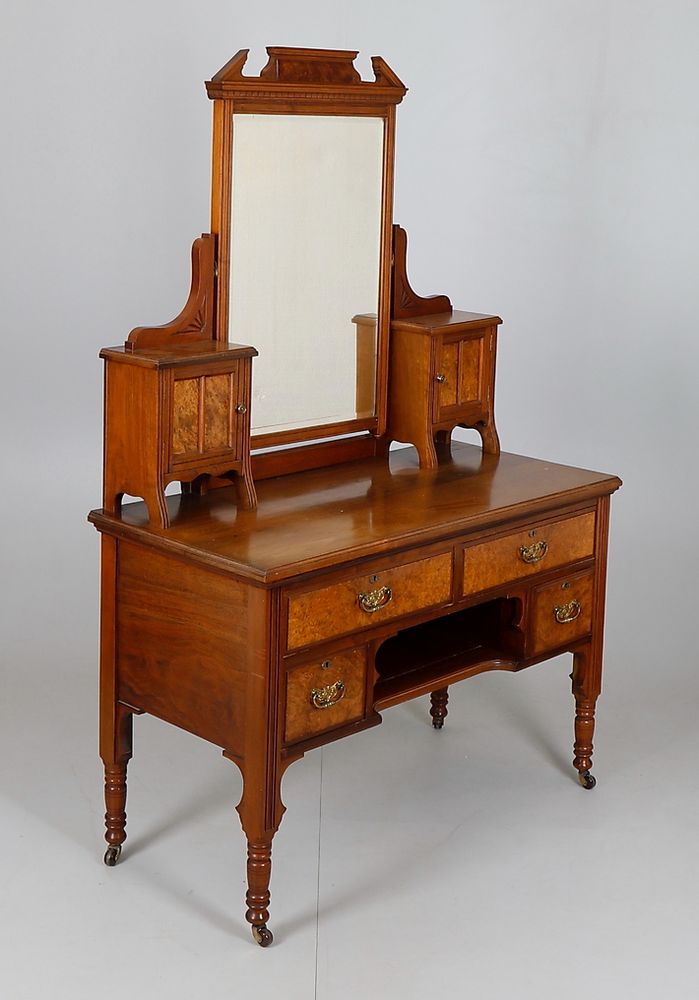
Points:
[(196, 321), (405, 303)]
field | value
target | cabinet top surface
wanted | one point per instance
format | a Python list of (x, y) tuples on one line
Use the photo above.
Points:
[(448, 322), (322, 518), (172, 356)]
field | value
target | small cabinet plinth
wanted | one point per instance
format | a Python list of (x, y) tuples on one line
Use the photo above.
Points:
[(176, 414), (442, 376)]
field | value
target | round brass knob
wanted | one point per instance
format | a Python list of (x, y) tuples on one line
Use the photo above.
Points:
[(241, 408), (440, 378)]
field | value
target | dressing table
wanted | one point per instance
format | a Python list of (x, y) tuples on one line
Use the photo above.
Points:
[(308, 577)]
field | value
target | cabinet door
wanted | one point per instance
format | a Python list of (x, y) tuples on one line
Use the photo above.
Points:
[(459, 375), (205, 417)]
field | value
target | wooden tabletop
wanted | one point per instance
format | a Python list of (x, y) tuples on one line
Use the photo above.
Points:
[(325, 517)]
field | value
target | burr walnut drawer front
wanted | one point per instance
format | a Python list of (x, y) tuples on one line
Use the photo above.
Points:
[(561, 612), (325, 694), (366, 599), (529, 551)]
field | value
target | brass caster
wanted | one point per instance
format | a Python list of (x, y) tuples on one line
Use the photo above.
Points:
[(111, 855), (438, 723), (262, 935), (586, 779)]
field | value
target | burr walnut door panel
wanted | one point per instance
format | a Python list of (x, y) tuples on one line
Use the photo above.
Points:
[(205, 416), (459, 375)]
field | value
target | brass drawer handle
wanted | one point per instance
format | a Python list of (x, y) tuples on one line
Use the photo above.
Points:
[(533, 553), (375, 600), (565, 613), (441, 378), (328, 696)]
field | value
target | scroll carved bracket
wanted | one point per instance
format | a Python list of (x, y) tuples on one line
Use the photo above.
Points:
[(405, 303), (195, 323)]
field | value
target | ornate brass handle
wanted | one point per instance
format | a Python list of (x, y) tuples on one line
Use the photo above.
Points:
[(533, 553), (328, 696), (441, 378), (565, 613), (375, 600)]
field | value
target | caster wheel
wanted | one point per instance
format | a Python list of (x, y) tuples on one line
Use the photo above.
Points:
[(438, 723), (262, 935), (586, 779), (111, 855)]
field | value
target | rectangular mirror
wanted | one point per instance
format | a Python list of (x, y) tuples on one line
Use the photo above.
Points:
[(305, 266)]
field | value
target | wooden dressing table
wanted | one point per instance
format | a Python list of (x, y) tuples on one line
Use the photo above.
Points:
[(274, 618)]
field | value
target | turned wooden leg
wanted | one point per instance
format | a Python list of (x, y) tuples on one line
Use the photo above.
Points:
[(257, 896), (438, 707), (586, 688), (115, 764), (115, 816), (260, 810)]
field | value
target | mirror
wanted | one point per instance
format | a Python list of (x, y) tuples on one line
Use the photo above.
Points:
[(305, 264)]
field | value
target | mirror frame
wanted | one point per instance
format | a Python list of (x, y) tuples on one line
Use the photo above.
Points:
[(305, 82)]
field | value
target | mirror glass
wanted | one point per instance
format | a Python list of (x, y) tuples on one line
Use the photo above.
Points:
[(305, 256)]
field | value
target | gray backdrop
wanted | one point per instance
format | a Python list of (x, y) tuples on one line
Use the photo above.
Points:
[(547, 170)]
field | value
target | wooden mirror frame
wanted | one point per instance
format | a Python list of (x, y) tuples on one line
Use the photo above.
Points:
[(305, 82)]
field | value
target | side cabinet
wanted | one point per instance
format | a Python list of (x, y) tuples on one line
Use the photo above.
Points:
[(442, 375), (175, 415)]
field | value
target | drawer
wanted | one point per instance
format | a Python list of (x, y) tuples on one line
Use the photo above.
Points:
[(561, 612), (529, 551), (367, 599), (325, 694)]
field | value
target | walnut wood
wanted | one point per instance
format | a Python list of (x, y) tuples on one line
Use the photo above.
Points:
[(405, 303), (438, 707), (302, 718), (305, 81), (490, 563), (322, 518), (587, 661), (176, 413), (195, 324), (547, 632), (365, 395), (322, 613), (306, 76), (442, 375), (182, 649), (200, 611), (223, 618)]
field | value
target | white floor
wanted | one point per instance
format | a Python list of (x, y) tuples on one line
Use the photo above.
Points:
[(410, 862)]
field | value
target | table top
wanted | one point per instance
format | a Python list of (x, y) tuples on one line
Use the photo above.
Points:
[(325, 517)]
